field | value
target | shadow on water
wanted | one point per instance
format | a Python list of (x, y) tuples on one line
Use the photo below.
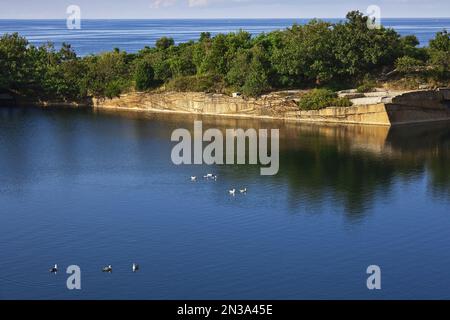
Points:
[(352, 165)]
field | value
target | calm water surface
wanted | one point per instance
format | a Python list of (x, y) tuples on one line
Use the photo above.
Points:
[(87, 188)]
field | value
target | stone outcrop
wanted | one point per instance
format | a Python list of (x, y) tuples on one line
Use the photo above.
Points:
[(378, 108), (273, 105)]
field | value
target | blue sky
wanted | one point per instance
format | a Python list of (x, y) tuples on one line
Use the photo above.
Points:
[(152, 9)]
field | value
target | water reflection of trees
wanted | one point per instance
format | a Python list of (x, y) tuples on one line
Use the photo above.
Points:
[(357, 165), (428, 145), (349, 164)]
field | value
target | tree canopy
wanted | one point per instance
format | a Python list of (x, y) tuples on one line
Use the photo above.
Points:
[(303, 56)]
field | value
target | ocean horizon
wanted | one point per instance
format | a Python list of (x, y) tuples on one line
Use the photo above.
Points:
[(131, 35)]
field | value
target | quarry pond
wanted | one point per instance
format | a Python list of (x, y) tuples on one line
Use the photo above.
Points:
[(93, 188)]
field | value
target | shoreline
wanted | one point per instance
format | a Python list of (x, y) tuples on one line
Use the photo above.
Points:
[(377, 108)]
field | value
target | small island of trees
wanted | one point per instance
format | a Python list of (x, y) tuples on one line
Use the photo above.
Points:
[(316, 55)]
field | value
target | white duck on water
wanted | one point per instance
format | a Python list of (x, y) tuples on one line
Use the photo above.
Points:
[(135, 267), (232, 192), (210, 176), (107, 269), (243, 190)]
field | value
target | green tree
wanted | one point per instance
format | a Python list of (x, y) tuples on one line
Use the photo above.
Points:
[(409, 48), (106, 73), (205, 36), (316, 54), (257, 80), (214, 60), (161, 65), (441, 41), (360, 50), (164, 43), (439, 51), (239, 69), (144, 75), (181, 60), (305, 55), (15, 65)]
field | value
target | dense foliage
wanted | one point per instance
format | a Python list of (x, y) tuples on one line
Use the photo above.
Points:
[(302, 56)]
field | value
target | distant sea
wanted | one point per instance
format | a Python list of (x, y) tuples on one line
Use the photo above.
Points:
[(132, 35)]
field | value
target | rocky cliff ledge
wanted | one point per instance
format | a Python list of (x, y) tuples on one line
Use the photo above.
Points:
[(380, 107)]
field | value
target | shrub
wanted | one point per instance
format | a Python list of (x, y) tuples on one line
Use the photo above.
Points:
[(407, 64), (366, 86), (322, 98), (114, 88), (341, 102), (317, 99)]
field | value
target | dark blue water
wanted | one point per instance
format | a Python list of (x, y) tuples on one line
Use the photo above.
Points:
[(132, 35), (87, 188)]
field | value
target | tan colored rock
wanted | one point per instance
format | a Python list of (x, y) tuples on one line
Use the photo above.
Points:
[(382, 108)]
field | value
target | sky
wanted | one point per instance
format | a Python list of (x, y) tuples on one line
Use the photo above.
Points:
[(207, 9)]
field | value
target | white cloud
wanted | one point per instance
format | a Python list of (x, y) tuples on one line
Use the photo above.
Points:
[(155, 4), (198, 3)]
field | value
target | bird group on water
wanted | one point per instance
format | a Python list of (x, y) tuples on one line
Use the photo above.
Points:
[(210, 176), (107, 269), (233, 191), (135, 267)]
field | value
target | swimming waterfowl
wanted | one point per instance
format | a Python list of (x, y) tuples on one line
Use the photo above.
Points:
[(193, 178), (243, 190), (232, 192), (54, 269), (135, 267), (107, 269)]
